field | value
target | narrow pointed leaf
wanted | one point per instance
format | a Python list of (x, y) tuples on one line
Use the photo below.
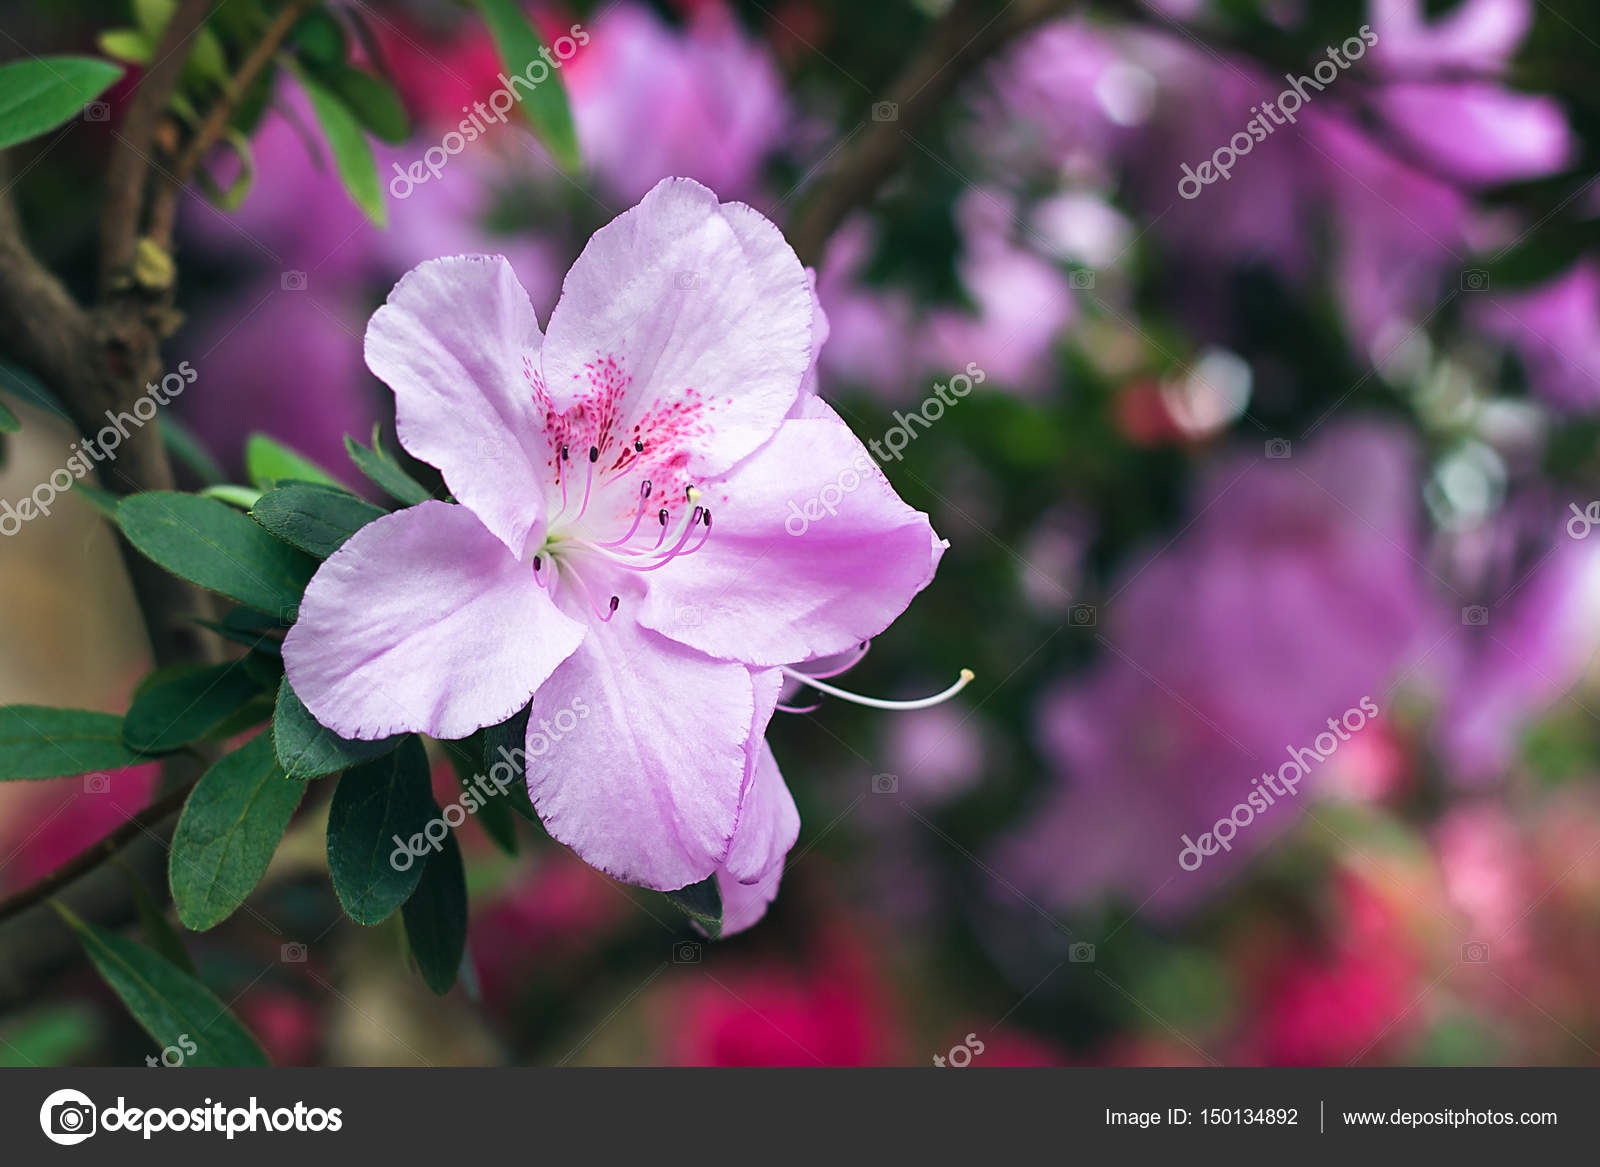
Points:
[(545, 105), (352, 156), (385, 472), (269, 462), (211, 544), (183, 707), (40, 742), (167, 1002), (40, 93)]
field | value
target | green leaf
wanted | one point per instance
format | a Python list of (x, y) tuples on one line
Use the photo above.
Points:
[(59, 1036), (308, 749), (158, 933), (316, 519), (509, 735), (28, 389), (385, 472), (102, 501), (243, 497), (493, 813), (211, 544), (40, 742), (126, 44), (228, 831), (269, 462), (8, 421), (373, 101), (436, 917), (702, 903), (170, 1004), (41, 93), (545, 106), (352, 156), (319, 39), (183, 445), (375, 804), (153, 16), (185, 705)]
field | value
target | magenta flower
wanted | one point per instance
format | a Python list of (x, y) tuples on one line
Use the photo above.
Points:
[(620, 556)]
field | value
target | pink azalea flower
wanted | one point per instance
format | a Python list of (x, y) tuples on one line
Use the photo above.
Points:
[(582, 570)]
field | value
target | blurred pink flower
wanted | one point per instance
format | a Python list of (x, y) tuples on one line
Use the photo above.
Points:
[(651, 102), (1555, 327), (1293, 594), (44, 824)]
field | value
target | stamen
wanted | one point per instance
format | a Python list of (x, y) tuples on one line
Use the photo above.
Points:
[(782, 708), (588, 485), (861, 652), (677, 549), (878, 702), (583, 590), (638, 517), (638, 446)]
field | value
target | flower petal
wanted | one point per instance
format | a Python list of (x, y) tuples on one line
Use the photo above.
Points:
[(743, 904), (423, 621), (768, 821), (810, 552), (688, 319), (458, 343), (645, 786)]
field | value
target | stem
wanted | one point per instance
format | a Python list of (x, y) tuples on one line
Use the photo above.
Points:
[(142, 823), (967, 35), (130, 158), (163, 209)]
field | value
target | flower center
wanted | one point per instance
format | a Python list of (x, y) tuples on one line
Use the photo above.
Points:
[(613, 517)]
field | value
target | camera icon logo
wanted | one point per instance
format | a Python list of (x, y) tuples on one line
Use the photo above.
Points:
[(97, 111), (885, 783), (1475, 280), (687, 281), (1475, 952), (1081, 953), (686, 952), (293, 281), (292, 953), (1279, 448), (885, 111), (1082, 279), (67, 1117), (1475, 615), (97, 783), (1083, 616)]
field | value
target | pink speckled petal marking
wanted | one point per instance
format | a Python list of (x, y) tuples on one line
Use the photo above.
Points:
[(781, 579), (684, 323)]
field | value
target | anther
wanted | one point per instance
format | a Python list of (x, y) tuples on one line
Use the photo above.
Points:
[(594, 453)]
